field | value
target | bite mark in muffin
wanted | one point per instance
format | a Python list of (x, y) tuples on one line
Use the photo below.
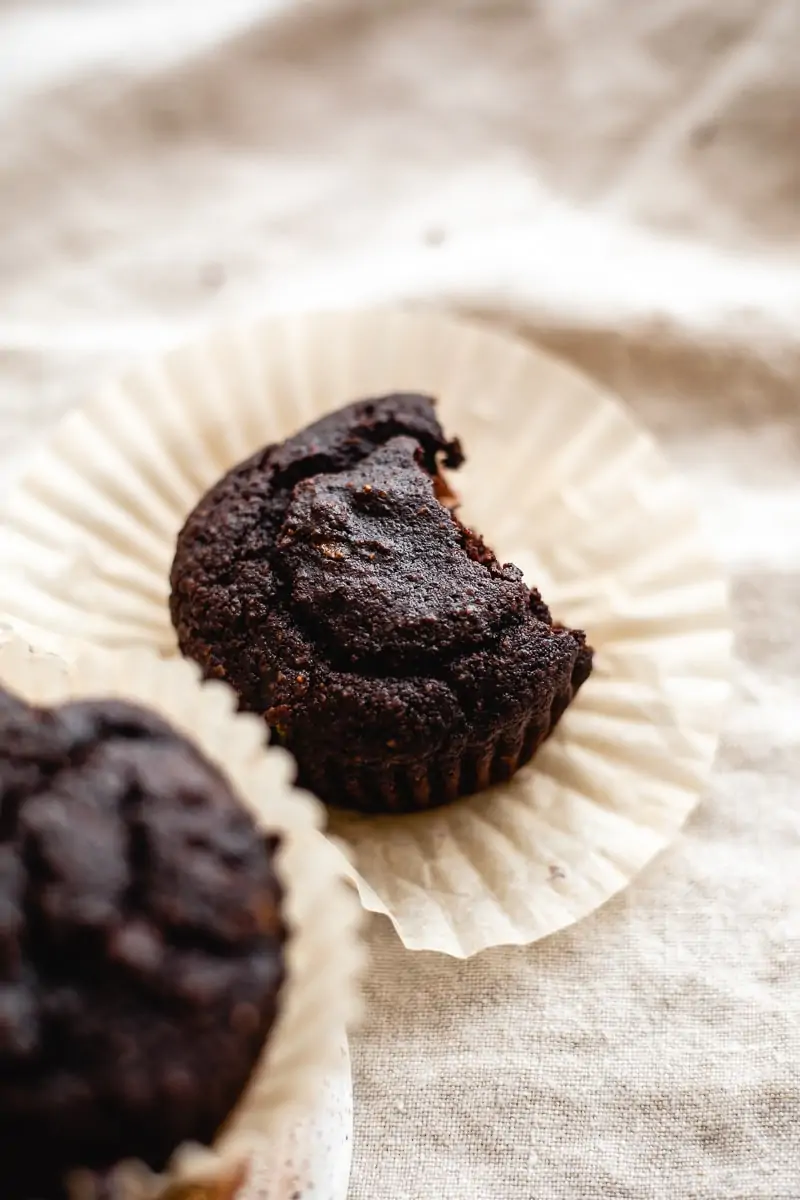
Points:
[(329, 580)]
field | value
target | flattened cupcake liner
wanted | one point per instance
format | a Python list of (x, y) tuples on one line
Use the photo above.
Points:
[(558, 479), (318, 996)]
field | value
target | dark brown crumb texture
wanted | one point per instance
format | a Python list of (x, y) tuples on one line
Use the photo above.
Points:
[(330, 582), (140, 943)]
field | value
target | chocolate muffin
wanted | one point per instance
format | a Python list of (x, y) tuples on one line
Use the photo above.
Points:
[(330, 582), (141, 944)]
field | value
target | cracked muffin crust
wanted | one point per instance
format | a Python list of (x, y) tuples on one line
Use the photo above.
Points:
[(328, 580), (141, 943)]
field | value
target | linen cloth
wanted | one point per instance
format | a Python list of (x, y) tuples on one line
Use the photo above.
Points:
[(619, 180)]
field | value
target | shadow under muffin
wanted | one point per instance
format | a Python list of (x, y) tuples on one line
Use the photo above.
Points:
[(328, 580)]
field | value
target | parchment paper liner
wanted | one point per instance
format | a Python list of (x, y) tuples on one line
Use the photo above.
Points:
[(559, 479), (322, 952)]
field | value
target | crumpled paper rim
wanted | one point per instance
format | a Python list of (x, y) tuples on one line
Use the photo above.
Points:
[(559, 479), (323, 953)]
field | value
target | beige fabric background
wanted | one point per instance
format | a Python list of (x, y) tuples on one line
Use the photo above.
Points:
[(619, 179)]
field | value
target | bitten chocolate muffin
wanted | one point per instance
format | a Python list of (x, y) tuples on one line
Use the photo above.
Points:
[(140, 943), (328, 580)]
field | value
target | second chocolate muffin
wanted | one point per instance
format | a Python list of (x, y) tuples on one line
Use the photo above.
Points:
[(328, 580), (141, 945)]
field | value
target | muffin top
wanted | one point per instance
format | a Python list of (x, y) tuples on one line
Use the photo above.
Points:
[(140, 943), (329, 581)]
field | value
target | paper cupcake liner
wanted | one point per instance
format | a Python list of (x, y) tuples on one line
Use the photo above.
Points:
[(559, 480), (310, 1158), (322, 951)]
